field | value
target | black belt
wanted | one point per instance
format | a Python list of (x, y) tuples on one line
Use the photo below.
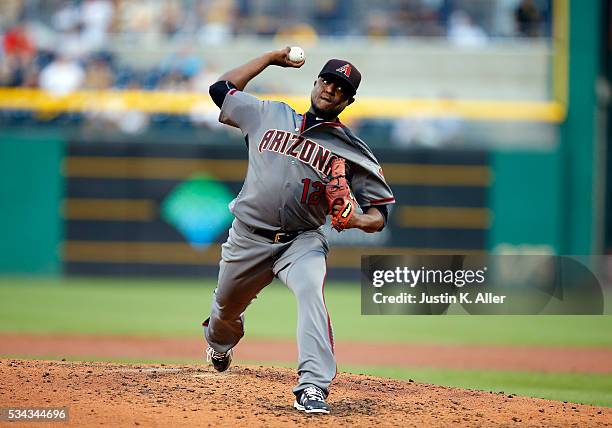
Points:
[(276, 236)]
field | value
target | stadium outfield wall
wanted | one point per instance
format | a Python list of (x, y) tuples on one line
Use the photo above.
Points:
[(132, 208)]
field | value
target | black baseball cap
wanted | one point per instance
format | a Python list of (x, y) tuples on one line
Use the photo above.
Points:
[(344, 70)]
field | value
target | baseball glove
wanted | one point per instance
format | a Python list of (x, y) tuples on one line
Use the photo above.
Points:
[(338, 192)]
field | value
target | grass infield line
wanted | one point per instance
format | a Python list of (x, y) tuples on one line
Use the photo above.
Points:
[(175, 308)]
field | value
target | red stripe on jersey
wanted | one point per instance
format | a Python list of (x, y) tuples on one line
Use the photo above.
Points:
[(329, 327), (303, 123), (333, 124), (382, 201)]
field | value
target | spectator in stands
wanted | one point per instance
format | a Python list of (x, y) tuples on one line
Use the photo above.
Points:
[(137, 17), (171, 18), (66, 17), (6, 73), (174, 81), (203, 79), (74, 44), (98, 74), (418, 18), (10, 12), (186, 61), (96, 17), (378, 25), (62, 76), (463, 32), (330, 17), (12, 72), (18, 43), (19, 53), (527, 18), (296, 34)]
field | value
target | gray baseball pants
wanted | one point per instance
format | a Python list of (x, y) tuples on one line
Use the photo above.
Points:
[(248, 263)]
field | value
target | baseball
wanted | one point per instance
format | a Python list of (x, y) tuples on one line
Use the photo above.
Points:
[(296, 54)]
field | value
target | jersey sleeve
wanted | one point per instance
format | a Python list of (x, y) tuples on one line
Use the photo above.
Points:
[(241, 110), (371, 190), (219, 90)]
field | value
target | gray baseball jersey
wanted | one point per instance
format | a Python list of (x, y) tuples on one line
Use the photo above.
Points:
[(284, 191), (283, 188)]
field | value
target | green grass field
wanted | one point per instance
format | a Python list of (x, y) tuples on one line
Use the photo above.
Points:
[(176, 308)]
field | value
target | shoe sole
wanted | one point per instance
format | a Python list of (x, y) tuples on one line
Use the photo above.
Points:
[(225, 369), (221, 371), (303, 409), (229, 363)]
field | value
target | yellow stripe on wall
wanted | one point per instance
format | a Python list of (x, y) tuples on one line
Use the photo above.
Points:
[(437, 175), (365, 107), (235, 170), (350, 257), (153, 168), (513, 111), (183, 253), (110, 209), (140, 252), (443, 217)]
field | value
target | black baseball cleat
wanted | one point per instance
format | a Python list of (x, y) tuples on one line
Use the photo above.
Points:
[(312, 400), (220, 360)]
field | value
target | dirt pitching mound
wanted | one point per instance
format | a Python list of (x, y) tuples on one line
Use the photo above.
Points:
[(174, 395)]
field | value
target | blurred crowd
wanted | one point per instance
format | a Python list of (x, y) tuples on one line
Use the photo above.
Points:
[(66, 49), (61, 45)]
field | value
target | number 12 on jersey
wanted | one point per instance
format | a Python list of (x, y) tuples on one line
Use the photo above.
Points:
[(312, 198)]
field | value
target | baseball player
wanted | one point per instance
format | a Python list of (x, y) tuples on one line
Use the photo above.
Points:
[(302, 167)]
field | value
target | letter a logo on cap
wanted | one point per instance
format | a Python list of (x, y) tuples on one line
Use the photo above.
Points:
[(345, 69)]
